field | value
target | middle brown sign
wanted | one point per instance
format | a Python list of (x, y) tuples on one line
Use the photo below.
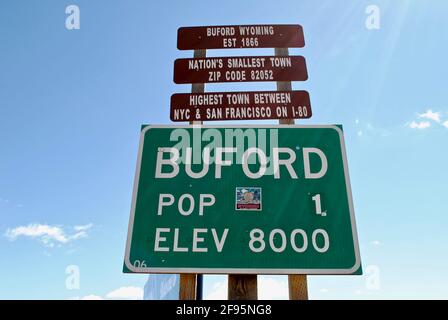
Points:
[(212, 106), (240, 69)]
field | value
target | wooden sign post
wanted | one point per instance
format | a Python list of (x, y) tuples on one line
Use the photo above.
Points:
[(244, 287), (298, 288), (189, 286)]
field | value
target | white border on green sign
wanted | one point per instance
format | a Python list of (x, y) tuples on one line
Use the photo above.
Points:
[(348, 271)]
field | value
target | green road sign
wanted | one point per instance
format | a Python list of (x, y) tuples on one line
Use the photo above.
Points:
[(242, 199)]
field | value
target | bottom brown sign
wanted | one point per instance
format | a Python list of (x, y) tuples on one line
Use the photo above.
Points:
[(214, 106)]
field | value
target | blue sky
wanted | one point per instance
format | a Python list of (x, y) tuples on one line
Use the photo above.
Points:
[(72, 102)]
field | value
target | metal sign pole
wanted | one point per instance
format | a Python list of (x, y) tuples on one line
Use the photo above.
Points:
[(191, 284), (298, 288)]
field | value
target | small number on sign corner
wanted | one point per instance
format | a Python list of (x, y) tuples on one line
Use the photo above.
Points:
[(139, 264)]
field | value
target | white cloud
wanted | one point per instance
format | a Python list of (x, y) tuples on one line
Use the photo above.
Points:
[(376, 243), (84, 227), (324, 290), (123, 293), (420, 125), (91, 297), (43, 232), (47, 234), (219, 291), (273, 288), (426, 119), (81, 231), (434, 116), (360, 133), (269, 288), (131, 293)]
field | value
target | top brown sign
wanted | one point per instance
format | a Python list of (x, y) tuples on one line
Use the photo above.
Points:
[(246, 36)]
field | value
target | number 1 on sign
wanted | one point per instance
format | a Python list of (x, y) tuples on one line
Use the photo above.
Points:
[(318, 205)]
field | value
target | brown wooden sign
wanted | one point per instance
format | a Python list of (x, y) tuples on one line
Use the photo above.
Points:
[(240, 69), (244, 36), (258, 105)]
